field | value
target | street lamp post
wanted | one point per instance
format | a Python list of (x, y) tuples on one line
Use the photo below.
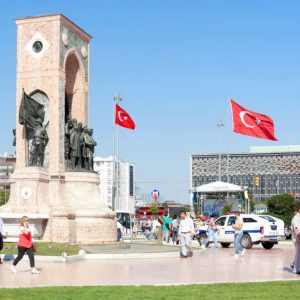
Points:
[(220, 125)]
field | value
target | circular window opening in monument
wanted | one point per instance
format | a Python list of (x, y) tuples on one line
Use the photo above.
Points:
[(37, 46)]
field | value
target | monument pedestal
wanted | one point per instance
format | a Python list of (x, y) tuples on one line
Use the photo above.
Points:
[(62, 208)]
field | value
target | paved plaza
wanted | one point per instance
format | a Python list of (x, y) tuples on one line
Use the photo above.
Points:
[(206, 266)]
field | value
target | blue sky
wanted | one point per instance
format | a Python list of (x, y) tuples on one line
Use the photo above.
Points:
[(176, 64)]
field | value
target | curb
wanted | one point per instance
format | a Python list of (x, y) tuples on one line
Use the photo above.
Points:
[(84, 256)]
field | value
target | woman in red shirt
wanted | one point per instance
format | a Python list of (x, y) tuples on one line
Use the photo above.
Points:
[(25, 246)]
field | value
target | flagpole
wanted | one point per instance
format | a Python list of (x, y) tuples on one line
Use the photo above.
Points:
[(220, 125), (115, 192)]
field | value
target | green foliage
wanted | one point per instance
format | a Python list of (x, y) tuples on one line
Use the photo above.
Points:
[(153, 208), (4, 196), (282, 204), (226, 209), (282, 207)]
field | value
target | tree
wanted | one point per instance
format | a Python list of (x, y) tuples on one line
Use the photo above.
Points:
[(282, 204), (282, 207), (4, 196), (153, 208), (226, 209)]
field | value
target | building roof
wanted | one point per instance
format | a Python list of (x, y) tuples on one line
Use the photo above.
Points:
[(219, 186)]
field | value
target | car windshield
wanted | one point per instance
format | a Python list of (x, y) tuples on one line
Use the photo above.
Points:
[(268, 218)]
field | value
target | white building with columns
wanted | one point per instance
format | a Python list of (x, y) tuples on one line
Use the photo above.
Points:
[(125, 201)]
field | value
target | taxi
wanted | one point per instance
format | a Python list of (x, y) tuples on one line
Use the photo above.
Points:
[(257, 229)]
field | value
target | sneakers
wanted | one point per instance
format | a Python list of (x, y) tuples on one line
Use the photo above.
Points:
[(236, 255), (243, 252), (203, 247), (13, 269), (35, 271)]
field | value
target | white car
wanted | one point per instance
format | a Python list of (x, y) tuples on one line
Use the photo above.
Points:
[(263, 229)]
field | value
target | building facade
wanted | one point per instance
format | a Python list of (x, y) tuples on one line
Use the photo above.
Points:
[(106, 168), (7, 167), (266, 170)]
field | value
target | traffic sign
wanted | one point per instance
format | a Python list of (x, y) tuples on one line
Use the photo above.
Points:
[(155, 194)]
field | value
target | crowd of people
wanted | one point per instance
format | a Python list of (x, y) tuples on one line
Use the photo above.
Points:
[(177, 230)]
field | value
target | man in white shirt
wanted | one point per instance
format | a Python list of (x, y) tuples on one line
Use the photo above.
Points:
[(296, 233), (186, 232)]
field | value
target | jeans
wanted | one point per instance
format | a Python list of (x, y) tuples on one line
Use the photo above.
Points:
[(237, 243), (297, 257), (175, 235), (211, 237), (21, 252), (185, 241), (1, 241), (166, 236)]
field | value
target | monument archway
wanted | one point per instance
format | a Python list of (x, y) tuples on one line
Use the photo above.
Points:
[(75, 98)]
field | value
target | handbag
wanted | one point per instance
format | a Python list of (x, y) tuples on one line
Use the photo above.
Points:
[(34, 247)]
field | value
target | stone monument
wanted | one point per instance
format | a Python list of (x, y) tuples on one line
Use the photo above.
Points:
[(54, 183)]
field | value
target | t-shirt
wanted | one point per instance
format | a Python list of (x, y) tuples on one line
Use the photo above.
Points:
[(174, 224), (238, 221), (167, 221), (25, 239), (296, 224), (155, 224), (186, 225)]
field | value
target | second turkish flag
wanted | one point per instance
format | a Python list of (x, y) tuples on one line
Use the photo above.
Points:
[(251, 123)]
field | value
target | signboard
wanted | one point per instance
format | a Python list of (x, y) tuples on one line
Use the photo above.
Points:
[(155, 194)]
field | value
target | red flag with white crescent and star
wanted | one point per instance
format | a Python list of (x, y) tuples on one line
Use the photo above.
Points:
[(123, 119), (251, 123)]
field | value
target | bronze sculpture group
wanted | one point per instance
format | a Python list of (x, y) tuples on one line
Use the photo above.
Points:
[(79, 142), (79, 146)]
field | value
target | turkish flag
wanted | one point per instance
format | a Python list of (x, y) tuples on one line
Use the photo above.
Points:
[(251, 123), (123, 119)]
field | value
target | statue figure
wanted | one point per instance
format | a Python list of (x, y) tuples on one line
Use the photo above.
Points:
[(39, 143), (68, 129), (75, 149), (15, 139), (89, 148)]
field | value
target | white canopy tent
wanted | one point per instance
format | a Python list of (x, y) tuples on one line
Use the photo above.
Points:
[(219, 187)]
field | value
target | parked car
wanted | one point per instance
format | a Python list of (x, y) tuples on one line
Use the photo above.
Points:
[(263, 229)]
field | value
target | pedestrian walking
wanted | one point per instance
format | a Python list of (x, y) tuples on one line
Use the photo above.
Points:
[(238, 233), (212, 230), (296, 231), (166, 228), (25, 245), (175, 225), (155, 227), (186, 232)]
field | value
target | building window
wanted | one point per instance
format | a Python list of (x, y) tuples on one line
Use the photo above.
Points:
[(130, 180)]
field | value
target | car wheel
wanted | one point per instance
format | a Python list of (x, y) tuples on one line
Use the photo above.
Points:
[(225, 245), (267, 245), (202, 237), (246, 241)]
